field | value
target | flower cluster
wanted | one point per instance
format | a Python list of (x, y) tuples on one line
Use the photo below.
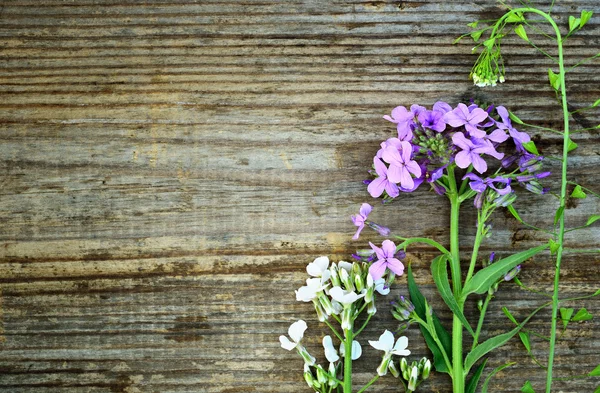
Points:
[(430, 144), (341, 289)]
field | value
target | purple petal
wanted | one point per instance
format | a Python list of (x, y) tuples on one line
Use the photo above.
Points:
[(377, 186), (392, 189), (478, 163), (391, 155), (395, 266), (461, 141), (477, 116), (380, 168), (413, 168), (377, 270), (406, 180), (365, 209), (463, 159), (360, 228), (498, 136), (389, 248), (395, 173), (442, 106), (378, 251)]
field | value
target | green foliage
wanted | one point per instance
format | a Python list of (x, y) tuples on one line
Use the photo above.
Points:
[(488, 345), (558, 215), (420, 303), (595, 372), (572, 146), (527, 388), (514, 118), (520, 30), (515, 17), (565, 315), (582, 315), (439, 271), (574, 23), (592, 219), (486, 277), (554, 80), (476, 35), (578, 193), (474, 381), (585, 17), (553, 246), (530, 147), (525, 340)]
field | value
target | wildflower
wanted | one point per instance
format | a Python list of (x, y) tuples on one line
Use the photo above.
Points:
[(296, 332), (319, 268), (470, 153), (468, 117), (513, 273), (356, 350), (404, 122), (330, 352), (311, 290), (403, 309), (386, 258), (360, 218), (346, 298), (382, 183), (401, 165), (433, 120), (518, 137), (386, 344)]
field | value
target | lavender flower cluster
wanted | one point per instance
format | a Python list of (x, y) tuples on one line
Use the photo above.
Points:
[(430, 142)]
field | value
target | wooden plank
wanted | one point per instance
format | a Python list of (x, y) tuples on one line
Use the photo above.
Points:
[(168, 168)]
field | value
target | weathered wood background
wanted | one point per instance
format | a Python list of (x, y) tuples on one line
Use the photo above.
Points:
[(168, 169)]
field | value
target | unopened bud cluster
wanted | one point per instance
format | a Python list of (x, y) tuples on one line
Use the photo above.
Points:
[(414, 373)]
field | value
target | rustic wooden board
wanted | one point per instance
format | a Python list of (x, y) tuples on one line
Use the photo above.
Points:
[(168, 168)]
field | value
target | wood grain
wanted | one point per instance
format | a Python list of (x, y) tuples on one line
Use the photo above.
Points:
[(168, 168)]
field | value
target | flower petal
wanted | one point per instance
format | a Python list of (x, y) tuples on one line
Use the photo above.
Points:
[(377, 270), (385, 342), (296, 330), (389, 248), (356, 350), (365, 209), (286, 343), (330, 352)]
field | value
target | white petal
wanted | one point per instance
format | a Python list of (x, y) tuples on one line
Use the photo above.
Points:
[(337, 293), (385, 342), (296, 330), (370, 281), (318, 266), (337, 307), (381, 288), (347, 266), (305, 294), (356, 350), (330, 352), (286, 343), (401, 343)]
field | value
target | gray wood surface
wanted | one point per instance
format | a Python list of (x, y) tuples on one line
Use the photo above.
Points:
[(168, 168)]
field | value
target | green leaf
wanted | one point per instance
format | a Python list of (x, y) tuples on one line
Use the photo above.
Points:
[(582, 315), (585, 17), (512, 211), (474, 381), (596, 103), (488, 345), (515, 18), (509, 315), (420, 303), (530, 147), (578, 193), (592, 219), (514, 118), (595, 372), (486, 277), (489, 43), (597, 390), (554, 80), (473, 24), (476, 35), (494, 372), (525, 340), (558, 214), (573, 23), (439, 270), (520, 30), (527, 388), (565, 315), (553, 246), (572, 146)]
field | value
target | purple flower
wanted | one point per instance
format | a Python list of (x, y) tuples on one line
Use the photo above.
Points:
[(479, 185), (470, 153), (442, 106), (405, 122), (433, 120), (518, 137), (386, 259), (360, 218), (401, 165), (382, 183), (470, 117)]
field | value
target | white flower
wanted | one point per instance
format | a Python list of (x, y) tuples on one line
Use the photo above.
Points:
[(379, 285), (319, 268), (386, 344), (356, 350), (347, 266), (296, 332), (311, 290), (346, 298), (330, 352)]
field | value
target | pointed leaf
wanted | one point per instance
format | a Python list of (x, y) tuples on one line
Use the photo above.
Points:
[(554, 80), (597, 390), (592, 219), (525, 340), (473, 24), (489, 43), (558, 214), (439, 270), (515, 18), (530, 147), (596, 103), (513, 211), (520, 30), (509, 315), (573, 23), (585, 17), (420, 304), (486, 277), (595, 372), (578, 193), (474, 381), (565, 315), (527, 388), (494, 372), (488, 345), (582, 315), (476, 35), (514, 118), (572, 146)]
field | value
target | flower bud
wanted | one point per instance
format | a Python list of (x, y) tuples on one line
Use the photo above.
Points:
[(321, 314), (480, 304), (413, 379), (308, 377), (345, 278), (383, 231), (371, 309), (513, 273), (326, 304), (358, 282), (332, 371), (334, 277), (382, 369), (426, 369), (308, 359), (347, 318), (321, 375), (393, 369)]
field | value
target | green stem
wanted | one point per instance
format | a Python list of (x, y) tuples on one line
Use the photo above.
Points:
[(486, 302), (371, 382), (477, 244), (364, 325), (458, 377), (348, 360)]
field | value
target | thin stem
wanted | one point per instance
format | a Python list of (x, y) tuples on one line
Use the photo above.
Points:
[(348, 360), (364, 325), (476, 245), (406, 241), (339, 336), (486, 302), (371, 382)]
